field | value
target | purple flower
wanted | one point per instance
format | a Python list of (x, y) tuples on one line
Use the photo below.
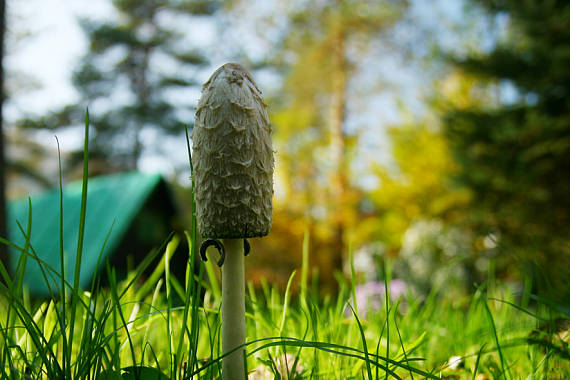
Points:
[(370, 296)]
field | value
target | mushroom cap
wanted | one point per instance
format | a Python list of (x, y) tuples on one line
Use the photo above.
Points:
[(232, 157)]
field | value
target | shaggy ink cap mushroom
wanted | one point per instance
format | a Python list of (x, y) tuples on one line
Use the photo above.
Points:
[(233, 157), (233, 182)]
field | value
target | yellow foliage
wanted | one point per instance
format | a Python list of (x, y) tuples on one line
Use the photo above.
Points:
[(460, 91), (419, 186)]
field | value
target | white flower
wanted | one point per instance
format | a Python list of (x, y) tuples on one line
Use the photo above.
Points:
[(454, 362)]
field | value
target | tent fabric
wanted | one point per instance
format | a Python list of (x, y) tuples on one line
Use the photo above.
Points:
[(113, 201)]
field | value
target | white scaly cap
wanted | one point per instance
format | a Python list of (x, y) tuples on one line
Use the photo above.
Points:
[(232, 157)]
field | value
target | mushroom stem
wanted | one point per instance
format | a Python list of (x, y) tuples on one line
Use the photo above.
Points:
[(233, 310)]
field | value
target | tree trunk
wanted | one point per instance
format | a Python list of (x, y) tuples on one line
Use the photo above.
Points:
[(141, 87), (338, 146), (3, 230)]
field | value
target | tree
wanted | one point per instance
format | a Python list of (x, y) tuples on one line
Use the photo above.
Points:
[(418, 187), (514, 154), (327, 39), (135, 68)]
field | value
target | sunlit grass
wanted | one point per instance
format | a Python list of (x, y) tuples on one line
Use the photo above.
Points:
[(134, 325), (123, 329), (135, 328)]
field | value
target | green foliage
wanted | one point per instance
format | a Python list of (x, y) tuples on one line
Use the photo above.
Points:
[(416, 187), (514, 155)]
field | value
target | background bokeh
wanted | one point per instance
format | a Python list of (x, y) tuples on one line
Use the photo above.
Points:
[(434, 135)]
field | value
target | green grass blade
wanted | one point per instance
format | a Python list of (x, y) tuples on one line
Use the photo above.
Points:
[(477, 362), (116, 300), (364, 345), (62, 316), (170, 250), (402, 342), (352, 278), (286, 302), (80, 238), (387, 302), (305, 266), (495, 336), (147, 261)]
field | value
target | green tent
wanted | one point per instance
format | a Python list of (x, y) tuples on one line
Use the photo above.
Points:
[(114, 204)]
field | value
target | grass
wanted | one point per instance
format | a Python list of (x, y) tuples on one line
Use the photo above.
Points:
[(135, 330), (120, 331)]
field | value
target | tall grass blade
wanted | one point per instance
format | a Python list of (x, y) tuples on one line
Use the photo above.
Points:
[(116, 300), (286, 302), (387, 302), (562, 309), (305, 266), (352, 278), (170, 249), (22, 261), (364, 345), (477, 362), (495, 336), (401, 341), (62, 290), (80, 238)]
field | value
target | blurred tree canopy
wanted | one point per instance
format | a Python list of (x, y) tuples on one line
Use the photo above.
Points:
[(419, 187), (481, 172), (514, 153), (327, 40), (132, 76)]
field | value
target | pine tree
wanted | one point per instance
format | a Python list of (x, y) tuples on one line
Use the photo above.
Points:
[(136, 67), (514, 156)]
